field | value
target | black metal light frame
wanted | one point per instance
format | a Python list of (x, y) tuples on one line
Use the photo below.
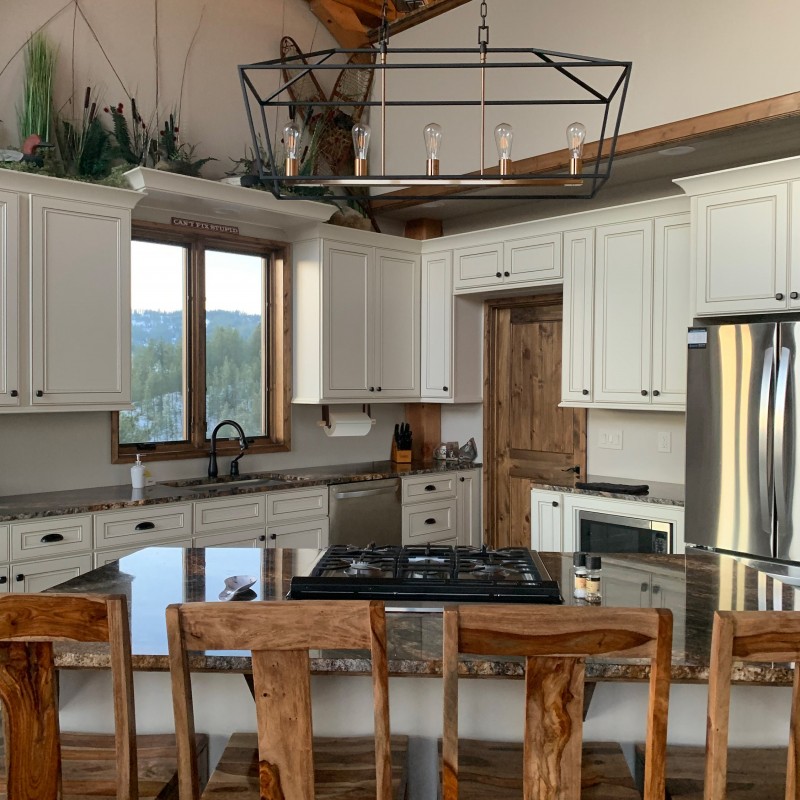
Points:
[(487, 183)]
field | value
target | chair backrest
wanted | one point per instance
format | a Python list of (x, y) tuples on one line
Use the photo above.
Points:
[(747, 636), (29, 625), (555, 641), (279, 635)]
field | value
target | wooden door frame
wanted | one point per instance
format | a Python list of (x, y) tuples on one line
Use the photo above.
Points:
[(491, 309)]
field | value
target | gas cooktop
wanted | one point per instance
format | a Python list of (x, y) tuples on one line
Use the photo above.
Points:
[(428, 572)]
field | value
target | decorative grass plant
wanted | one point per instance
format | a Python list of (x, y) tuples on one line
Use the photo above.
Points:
[(35, 115)]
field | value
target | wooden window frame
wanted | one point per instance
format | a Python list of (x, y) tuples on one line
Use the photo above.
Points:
[(278, 352)]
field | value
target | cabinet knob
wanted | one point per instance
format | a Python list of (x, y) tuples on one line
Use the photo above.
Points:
[(444, 388), (14, 393), (263, 537), (656, 393), (794, 295), (145, 526), (779, 296), (372, 388), (379, 389), (39, 393), (19, 578), (555, 503), (48, 538), (3, 579), (644, 392), (498, 275), (643, 587), (273, 536), (656, 589), (430, 521), (462, 479), (585, 391), (507, 274)]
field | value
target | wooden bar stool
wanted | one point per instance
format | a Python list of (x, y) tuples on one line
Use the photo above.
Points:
[(282, 761), (743, 773), (38, 762), (547, 765)]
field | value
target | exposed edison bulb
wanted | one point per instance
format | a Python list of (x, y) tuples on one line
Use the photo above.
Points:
[(576, 134), (504, 138), (432, 134), (292, 133), (361, 134)]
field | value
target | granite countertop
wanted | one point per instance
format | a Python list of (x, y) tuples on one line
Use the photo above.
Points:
[(107, 498), (692, 586), (667, 494)]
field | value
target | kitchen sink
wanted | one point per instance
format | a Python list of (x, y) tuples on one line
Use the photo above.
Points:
[(224, 483)]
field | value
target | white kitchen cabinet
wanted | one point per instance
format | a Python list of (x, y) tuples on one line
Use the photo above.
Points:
[(479, 266), (247, 537), (229, 513), (451, 335), (134, 528), (746, 233), (307, 533), (628, 348), (578, 320), (38, 575), (469, 491), (4, 582), (442, 508), (298, 517), (546, 521), (356, 322), (51, 537), (433, 521), (65, 302), (10, 379), (103, 557)]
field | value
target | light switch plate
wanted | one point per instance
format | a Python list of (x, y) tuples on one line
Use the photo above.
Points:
[(610, 438)]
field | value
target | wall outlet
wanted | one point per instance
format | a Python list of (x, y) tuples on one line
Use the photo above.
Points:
[(610, 438), (664, 444)]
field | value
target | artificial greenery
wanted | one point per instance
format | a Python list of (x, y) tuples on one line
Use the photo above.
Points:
[(35, 114), (84, 145), (134, 144), (177, 156)]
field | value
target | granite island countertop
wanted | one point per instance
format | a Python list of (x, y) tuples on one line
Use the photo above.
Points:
[(693, 586), (668, 494), (108, 498)]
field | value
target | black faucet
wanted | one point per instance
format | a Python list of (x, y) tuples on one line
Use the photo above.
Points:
[(212, 461)]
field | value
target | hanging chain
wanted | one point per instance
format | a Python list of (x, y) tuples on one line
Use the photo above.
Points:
[(483, 28)]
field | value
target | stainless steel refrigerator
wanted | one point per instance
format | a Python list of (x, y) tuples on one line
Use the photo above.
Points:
[(742, 438)]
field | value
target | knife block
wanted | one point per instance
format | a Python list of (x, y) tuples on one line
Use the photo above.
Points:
[(400, 456)]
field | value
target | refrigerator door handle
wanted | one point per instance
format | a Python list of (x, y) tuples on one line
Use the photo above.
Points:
[(764, 440), (781, 392)]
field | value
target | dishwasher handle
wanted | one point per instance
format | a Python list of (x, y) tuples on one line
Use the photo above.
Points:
[(365, 493)]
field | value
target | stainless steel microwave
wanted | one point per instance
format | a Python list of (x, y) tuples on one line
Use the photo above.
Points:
[(613, 533)]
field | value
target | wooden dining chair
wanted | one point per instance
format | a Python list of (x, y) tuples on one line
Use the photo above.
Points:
[(37, 761), (554, 641), (283, 761)]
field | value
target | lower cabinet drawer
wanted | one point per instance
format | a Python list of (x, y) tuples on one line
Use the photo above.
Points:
[(36, 576), (425, 488), (299, 534), (249, 537), (4, 582), (138, 527), (103, 557), (429, 522), (297, 504), (229, 513), (50, 537)]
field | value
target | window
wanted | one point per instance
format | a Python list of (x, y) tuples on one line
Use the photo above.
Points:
[(208, 316)]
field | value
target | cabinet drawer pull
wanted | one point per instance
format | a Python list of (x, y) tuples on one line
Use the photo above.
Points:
[(430, 521), (52, 537), (430, 488), (3, 579), (19, 577), (39, 393), (145, 526), (14, 393)]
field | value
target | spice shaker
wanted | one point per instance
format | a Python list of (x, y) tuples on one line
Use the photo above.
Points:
[(593, 571), (579, 575)]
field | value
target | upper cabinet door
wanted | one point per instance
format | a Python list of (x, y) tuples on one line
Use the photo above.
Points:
[(537, 258), (80, 303), (347, 338), (623, 292), (577, 330), (397, 325), (478, 266), (671, 315), (437, 325), (9, 322), (741, 250)]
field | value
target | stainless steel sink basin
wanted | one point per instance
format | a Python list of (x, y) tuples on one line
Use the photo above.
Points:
[(223, 484)]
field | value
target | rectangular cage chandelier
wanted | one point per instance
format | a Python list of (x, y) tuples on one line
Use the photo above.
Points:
[(318, 143)]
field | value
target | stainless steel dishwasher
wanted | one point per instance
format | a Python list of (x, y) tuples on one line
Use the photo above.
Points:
[(364, 512)]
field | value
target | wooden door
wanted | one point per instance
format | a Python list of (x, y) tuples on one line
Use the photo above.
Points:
[(528, 437)]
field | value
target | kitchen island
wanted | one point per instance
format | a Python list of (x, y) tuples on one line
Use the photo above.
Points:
[(693, 586)]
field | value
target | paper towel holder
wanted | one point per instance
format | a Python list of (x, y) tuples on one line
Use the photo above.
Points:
[(325, 422)]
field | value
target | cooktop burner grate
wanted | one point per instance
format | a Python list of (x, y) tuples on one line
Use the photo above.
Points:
[(428, 573)]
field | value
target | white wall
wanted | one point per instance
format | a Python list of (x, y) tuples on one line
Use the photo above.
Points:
[(60, 451)]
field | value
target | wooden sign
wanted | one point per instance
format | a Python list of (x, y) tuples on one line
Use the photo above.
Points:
[(205, 226)]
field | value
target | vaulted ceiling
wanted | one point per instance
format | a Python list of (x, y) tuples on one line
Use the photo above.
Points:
[(355, 23)]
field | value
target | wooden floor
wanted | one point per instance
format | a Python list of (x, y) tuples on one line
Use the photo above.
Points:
[(88, 767), (753, 773), (493, 771), (344, 769)]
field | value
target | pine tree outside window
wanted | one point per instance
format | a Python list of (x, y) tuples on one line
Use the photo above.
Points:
[(207, 344)]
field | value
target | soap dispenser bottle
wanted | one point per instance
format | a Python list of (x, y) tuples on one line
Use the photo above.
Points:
[(137, 473)]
